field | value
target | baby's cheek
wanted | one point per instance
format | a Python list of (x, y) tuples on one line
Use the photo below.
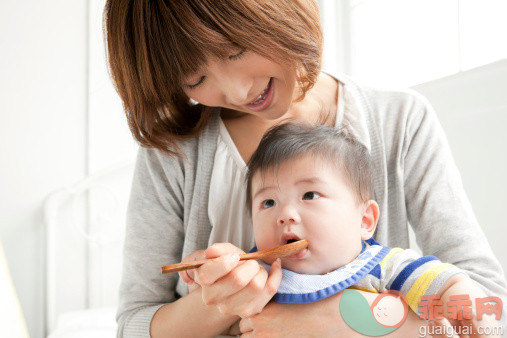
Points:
[(265, 239), (268, 261)]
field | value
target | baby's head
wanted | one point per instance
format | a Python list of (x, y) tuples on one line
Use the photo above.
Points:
[(314, 183)]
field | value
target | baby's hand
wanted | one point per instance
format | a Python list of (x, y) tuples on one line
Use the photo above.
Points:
[(461, 285), (188, 276), (234, 287)]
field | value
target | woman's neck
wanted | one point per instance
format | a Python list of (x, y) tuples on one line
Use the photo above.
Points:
[(318, 107), (320, 103)]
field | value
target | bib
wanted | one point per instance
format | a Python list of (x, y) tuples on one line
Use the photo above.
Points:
[(301, 288)]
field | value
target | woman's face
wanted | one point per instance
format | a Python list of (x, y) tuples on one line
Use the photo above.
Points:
[(246, 82)]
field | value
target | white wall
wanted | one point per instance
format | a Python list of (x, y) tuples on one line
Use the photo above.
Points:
[(60, 120), (43, 93), (472, 108)]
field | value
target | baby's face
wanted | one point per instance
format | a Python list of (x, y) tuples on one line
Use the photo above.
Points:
[(307, 199)]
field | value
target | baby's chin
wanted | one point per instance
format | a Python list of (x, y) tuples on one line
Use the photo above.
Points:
[(304, 268), (311, 266)]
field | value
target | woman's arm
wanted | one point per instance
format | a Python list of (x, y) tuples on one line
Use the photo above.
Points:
[(189, 317), (154, 238), (437, 206), (318, 319)]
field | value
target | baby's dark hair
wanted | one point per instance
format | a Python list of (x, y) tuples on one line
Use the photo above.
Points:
[(294, 139)]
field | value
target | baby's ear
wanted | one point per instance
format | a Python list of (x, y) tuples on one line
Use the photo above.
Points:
[(369, 220)]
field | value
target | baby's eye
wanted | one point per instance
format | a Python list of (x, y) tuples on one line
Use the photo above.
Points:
[(311, 195), (268, 204)]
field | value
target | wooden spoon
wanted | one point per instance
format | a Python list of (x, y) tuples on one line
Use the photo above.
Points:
[(278, 252)]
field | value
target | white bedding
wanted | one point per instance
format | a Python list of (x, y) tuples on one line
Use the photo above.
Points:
[(84, 226), (94, 323)]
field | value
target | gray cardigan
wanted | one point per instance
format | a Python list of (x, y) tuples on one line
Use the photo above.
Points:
[(415, 179)]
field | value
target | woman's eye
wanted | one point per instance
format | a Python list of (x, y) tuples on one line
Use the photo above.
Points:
[(268, 204), (237, 55), (311, 195), (201, 80)]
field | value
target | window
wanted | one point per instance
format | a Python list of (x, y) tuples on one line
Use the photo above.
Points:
[(408, 42)]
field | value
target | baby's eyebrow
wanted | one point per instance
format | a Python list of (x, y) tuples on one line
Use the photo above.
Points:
[(311, 180), (263, 189), (307, 180)]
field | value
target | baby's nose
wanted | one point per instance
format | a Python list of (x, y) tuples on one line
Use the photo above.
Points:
[(283, 221), (288, 216)]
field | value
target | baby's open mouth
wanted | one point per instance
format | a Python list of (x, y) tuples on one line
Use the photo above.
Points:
[(288, 238)]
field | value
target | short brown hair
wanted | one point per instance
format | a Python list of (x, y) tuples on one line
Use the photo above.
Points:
[(153, 44), (294, 139)]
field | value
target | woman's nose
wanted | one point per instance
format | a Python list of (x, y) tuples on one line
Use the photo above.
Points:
[(288, 216), (237, 92), (236, 87)]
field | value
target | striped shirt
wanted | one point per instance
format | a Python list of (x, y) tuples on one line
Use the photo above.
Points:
[(376, 269)]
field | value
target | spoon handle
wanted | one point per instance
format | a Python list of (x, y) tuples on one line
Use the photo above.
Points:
[(278, 252)]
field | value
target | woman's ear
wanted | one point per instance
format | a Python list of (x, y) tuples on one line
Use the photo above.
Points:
[(369, 220)]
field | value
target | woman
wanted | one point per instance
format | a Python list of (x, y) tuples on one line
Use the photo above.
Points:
[(201, 81)]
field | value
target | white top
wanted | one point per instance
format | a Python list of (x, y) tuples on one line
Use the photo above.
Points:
[(227, 195)]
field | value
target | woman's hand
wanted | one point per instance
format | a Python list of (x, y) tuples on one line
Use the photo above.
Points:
[(188, 276), (318, 319), (234, 287)]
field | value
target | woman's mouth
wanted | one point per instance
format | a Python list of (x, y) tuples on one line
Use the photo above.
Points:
[(263, 101)]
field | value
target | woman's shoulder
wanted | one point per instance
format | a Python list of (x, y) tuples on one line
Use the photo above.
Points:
[(192, 150), (391, 110), (381, 95)]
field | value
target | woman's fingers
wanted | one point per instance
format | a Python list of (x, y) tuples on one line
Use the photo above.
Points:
[(185, 276), (245, 325), (188, 275), (251, 299), (239, 288), (275, 277), (240, 277), (259, 292), (245, 290), (242, 302), (217, 268), (221, 249), (230, 284)]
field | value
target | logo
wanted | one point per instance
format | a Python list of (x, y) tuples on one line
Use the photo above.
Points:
[(387, 313), (460, 307), (390, 309)]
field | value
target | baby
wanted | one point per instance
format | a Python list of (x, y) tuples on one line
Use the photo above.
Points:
[(315, 183)]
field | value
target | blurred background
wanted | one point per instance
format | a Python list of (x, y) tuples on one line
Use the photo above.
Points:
[(61, 121)]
